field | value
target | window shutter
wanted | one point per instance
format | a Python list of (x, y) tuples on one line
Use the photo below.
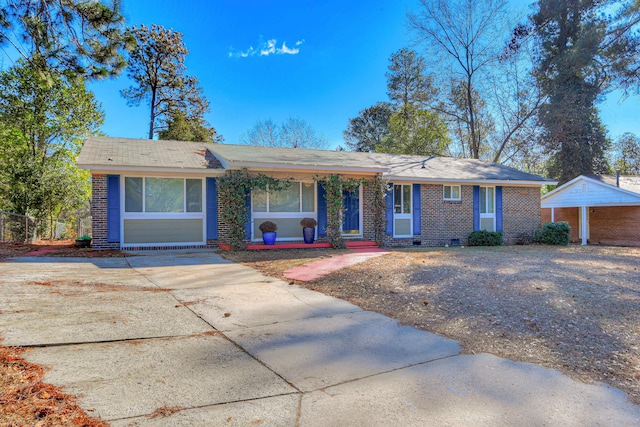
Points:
[(389, 205), (247, 225), (417, 220), (113, 208), (212, 209), (322, 210), (498, 208), (476, 208)]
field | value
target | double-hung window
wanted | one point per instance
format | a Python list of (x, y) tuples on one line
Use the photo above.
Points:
[(162, 195), (402, 211), (299, 197), (487, 209)]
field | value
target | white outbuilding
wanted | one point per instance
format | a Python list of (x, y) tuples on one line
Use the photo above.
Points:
[(601, 209)]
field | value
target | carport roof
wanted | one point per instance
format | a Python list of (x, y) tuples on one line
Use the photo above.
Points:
[(594, 190), (117, 154)]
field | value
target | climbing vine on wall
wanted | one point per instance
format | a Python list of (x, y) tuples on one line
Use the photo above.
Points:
[(334, 186), (233, 189), (379, 187)]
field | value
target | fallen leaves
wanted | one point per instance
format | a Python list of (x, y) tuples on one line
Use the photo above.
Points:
[(27, 401)]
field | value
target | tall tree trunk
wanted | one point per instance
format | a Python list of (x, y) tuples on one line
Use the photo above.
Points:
[(152, 118)]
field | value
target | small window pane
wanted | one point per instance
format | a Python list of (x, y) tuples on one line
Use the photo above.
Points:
[(406, 207), (307, 197), (133, 194), (194, 195), (483, 199), (397, 199), (259, 200), (164, 195), (286, 200), (447, 191), (455, 192), (486, 224), (490, 208)]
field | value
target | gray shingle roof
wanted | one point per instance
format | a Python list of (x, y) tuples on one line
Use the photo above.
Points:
[(117, 152), (106, 153)]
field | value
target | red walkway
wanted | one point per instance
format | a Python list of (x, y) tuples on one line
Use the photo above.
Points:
[(316, 269)]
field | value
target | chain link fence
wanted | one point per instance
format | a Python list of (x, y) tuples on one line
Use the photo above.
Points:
[(17, 228)]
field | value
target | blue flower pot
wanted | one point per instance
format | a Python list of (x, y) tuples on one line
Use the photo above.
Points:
[(309, 234), (269, 237)]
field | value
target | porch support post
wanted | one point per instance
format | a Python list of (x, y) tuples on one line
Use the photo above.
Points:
[(553, 214), (585, 226)]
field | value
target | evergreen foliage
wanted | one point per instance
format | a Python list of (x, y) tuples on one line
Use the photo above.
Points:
[(485, 238), (44, 117), (553, 233), (83, 37), (156, 65), (367, 131)]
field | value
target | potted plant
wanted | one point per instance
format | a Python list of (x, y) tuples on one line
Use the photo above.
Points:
[(268, 229), (83, 242), (308, 229)]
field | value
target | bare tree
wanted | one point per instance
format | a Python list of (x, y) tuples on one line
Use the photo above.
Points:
[(293, 133), (487, 105)]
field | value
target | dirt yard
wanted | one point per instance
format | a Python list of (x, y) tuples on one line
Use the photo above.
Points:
[(575, 309)]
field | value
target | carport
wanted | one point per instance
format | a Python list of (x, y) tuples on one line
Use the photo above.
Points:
[(600, 209)]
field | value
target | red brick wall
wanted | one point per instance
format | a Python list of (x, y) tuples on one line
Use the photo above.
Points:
[(99, 213), (520, 212), (615, 225), (445, 220), (368, 231), (569, 215)]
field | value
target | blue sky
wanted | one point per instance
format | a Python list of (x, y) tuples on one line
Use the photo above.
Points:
[(322, 61)]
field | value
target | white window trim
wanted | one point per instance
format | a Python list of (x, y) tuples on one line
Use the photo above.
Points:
[(489, 215), (162, 215), (360, 217), (408, 216), (265, 216), (452, 199)]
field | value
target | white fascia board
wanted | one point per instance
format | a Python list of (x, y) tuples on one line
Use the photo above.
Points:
[(549, 205), (306, 168), (469, 181), (593, 181), (150, 170)]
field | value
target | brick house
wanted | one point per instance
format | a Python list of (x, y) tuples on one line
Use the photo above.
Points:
[(600, 209), (161, 194)]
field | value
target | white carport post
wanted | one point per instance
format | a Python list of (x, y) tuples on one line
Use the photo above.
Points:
[(585, 226)]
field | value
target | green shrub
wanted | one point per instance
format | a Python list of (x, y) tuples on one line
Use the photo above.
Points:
[(553, 233), (485, 238)]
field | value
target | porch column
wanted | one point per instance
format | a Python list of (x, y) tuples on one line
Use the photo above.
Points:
[(553, 214), (585, 227)]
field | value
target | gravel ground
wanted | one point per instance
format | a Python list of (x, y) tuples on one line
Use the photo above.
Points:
[(575, 309)]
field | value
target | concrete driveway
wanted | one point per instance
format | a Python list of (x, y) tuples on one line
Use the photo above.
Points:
[(187, 338)]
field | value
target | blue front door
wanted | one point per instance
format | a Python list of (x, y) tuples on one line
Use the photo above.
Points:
[(351, 212)]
